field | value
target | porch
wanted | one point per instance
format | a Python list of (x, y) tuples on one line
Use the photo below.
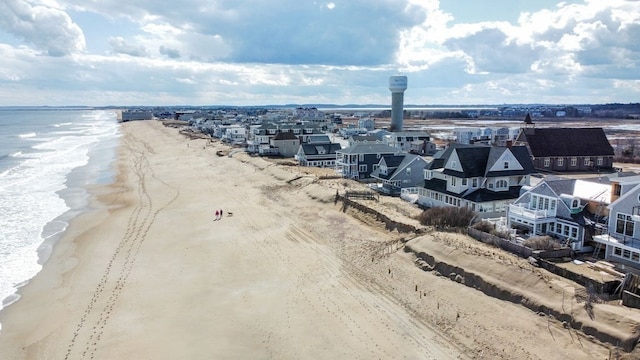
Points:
[(624, 249)]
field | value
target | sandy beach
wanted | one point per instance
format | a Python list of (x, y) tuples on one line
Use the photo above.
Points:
[(148, 273)]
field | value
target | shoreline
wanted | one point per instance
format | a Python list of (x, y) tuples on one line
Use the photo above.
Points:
[(149, 274), (76, 194)]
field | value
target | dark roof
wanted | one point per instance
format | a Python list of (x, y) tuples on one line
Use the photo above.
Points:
[(473, 161), (285, 135), (392, 161), (521, 154), (527, 119), (312, 149), (440, 158), (549, 142)]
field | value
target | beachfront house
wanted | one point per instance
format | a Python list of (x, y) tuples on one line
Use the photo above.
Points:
[(317, 151), (286, 142), (621, 240), (358, 161), (396, 172), (482, 178), (567, 209)]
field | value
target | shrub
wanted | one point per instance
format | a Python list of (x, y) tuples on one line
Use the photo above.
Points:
[(541, 243), (484, 226), (446, 217)]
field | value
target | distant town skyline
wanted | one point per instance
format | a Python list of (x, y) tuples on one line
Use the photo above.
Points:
[(197, 52)]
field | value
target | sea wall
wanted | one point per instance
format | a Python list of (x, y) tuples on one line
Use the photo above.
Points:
[(599, 331), (389, 223)]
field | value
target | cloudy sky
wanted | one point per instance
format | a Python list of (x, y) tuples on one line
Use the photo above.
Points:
[(258, 52)]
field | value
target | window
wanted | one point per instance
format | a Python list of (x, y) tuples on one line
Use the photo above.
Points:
[(453, 181), (574, 161), (575, 204), (360, 157), (506, 164), (408, 171), (474, 182), (464, 182), (560, 161), (362, 168), (502, 184), (587, 161), (544, 203), (428, 174), (547, 162), (624, 224), (599, 161)]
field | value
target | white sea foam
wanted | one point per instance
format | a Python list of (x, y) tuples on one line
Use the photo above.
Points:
[(27, 135), (29, 198), (17, 154)]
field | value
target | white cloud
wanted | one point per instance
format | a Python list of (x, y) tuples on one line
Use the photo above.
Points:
[(48, 29), (120, 46), (255, 52)]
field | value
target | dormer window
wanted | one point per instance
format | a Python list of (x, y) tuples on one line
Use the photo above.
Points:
[(575, 203), (428, 174), (506, 164)]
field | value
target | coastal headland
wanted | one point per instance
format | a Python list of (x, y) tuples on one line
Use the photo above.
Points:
[(287, 272)]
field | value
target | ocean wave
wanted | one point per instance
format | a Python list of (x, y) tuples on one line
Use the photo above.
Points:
[(62, 124), (27, 135), (17, 154)]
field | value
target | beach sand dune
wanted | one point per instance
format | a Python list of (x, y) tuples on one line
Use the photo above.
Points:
[(148, 273)]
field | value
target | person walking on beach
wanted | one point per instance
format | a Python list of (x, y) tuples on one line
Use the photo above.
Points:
[(220, 213), (217, 215)]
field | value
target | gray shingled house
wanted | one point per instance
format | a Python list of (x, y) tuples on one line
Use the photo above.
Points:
[(396, 172), (360, 160)]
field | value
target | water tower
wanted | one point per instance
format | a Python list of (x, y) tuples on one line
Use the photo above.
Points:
[(397, 85)]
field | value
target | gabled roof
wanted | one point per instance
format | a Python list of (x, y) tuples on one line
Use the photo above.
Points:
[(440, 157), (473, 161), (392, 161), (314, 149), (547, 142), (478, 160), (519, 152), (395, 164)]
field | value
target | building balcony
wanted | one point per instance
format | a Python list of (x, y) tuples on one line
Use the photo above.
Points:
[(618, 240), (517, 210)]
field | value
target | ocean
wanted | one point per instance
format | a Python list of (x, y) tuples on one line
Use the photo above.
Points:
[(47, 159)]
